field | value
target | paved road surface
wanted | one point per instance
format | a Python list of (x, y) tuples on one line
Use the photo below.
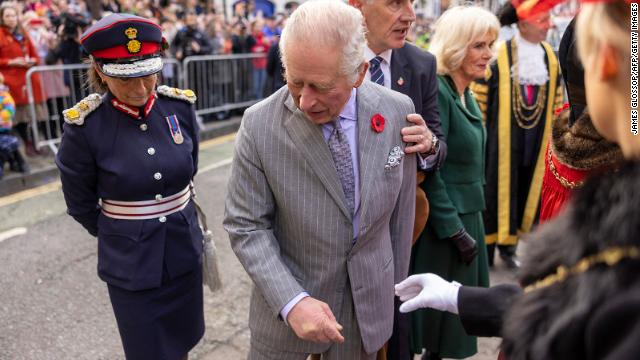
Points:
[(53, 306)]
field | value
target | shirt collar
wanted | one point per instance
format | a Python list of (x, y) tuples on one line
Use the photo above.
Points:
[(349, 111), (385, 55)]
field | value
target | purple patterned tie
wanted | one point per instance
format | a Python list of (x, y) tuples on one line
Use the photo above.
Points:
[(341, 153)]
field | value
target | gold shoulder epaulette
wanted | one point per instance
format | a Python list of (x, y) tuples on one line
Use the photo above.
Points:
[(76, 114), (186, 95)]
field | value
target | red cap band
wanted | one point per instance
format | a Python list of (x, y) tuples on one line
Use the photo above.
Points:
[(120, 52)]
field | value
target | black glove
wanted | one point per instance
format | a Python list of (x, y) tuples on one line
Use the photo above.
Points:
[(467, 246)]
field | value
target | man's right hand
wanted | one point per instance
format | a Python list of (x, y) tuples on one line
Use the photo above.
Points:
[(312, 320)]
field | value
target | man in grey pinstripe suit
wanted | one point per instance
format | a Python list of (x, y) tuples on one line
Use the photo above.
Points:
[(323, 239)]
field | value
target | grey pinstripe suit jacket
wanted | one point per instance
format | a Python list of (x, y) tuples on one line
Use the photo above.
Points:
[(288, 222)]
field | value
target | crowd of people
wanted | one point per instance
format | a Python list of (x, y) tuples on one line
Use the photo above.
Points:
[(376, 163), (48, 33)]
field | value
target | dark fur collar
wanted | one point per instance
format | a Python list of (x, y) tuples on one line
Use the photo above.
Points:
[(580, 146), (552, 322)]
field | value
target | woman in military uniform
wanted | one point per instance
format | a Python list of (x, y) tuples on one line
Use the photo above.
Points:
[(127, 158)]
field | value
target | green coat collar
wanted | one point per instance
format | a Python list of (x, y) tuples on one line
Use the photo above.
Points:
[(472, 111)]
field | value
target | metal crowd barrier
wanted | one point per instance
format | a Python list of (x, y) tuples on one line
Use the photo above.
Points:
[(221, 82), (225, 82), (61, 87)]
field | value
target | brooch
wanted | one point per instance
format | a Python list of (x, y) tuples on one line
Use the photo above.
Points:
[(395, 158)]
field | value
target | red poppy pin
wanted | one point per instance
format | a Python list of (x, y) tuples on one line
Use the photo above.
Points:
[(377, 123)]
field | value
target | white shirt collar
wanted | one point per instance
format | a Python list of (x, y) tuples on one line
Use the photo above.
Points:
[(385, 65), (385, 55)]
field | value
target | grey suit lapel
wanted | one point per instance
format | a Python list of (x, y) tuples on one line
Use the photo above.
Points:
[(309, 140), (372, 153), (401, 73)]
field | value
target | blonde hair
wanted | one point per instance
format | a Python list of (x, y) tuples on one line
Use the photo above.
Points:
[(327, 23), (455, 30), (604, 22)]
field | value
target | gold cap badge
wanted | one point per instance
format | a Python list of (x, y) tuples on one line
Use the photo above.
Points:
[(133, 46), (131, 33)]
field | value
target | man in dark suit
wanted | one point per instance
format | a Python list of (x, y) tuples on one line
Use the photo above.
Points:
[(403, 67)]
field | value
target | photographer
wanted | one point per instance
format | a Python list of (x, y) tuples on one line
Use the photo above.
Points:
[(190, 40), (66, 47)]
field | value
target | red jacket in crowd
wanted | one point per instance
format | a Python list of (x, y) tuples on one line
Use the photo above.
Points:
[(15, 76)]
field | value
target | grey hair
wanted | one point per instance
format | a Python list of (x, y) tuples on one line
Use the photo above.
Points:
[(455, 30), (328, 23)]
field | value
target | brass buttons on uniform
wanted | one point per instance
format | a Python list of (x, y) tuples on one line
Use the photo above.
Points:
[(162, 219), (157, 176), (151, 151), (144, 127)]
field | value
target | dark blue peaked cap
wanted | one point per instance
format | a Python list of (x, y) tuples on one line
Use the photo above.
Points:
[(125, 45)]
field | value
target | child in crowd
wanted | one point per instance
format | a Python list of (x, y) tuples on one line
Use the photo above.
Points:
[(8, 143)]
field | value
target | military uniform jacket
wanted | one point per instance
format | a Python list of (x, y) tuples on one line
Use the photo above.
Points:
[(114, 155)]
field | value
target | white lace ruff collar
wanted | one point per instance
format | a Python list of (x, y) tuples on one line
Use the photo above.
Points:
[(532, 69)]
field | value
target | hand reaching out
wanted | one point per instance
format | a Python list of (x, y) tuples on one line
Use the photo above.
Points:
[(428, 291)]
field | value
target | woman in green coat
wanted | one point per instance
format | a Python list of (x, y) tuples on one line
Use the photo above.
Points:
[(452, 244)]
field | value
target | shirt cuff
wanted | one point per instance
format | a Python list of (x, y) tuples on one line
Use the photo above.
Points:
[(287, 308), (428, 162)]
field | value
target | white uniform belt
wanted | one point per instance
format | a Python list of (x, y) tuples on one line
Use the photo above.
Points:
[(148, 209)]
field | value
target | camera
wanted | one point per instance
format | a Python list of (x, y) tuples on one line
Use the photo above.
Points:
[(71, 22)]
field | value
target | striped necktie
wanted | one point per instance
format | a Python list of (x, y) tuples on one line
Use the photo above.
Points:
[(376, 70)]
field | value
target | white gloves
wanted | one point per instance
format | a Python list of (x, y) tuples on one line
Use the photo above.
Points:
[(428, 291)]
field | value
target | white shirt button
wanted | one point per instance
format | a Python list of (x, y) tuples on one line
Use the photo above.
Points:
[(162, 219), (143, 127), (151, 151), (157, 176), (158, 197)]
